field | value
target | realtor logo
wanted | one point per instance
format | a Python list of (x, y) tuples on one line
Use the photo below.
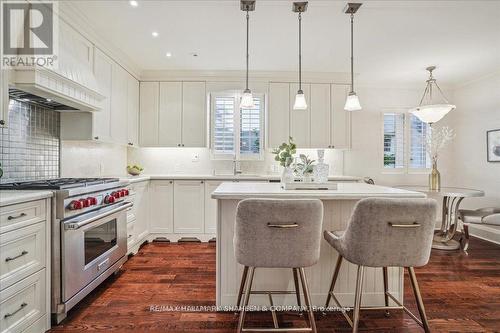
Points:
[(28, 34)]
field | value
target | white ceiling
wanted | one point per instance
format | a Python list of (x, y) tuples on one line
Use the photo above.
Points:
[(394, 40)]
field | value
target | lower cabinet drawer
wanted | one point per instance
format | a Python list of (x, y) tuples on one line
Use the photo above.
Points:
[(23, 303), (22, 253), (16, 216)]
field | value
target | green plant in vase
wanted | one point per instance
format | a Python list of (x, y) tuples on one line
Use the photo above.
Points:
[(305, 166), (284, 155)]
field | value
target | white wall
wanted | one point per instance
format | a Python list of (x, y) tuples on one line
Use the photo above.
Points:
[(478, 110), (180, 161), (92, 159)]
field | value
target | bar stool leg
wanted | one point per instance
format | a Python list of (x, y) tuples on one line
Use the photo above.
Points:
[(334, 280), (297, 289), (307, 299), (418, 298), (357, 298), (247, 298), (386, 289), (242, 285)]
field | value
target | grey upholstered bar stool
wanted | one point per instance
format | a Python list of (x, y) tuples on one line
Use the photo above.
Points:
[(273, 233), (385, 233)]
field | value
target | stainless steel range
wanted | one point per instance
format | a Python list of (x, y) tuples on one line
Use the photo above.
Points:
[(89, 235)]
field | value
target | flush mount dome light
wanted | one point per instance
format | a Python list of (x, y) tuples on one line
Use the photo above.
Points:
[(428, 111), (133, 3)]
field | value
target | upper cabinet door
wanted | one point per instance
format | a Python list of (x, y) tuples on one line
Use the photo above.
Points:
[(194, 115), (320, 115), (170, 114), (103, 68), (300, 120), (4, 98), (133, 111), (119, 105), (341, 119), (279, 114), (149, 107)]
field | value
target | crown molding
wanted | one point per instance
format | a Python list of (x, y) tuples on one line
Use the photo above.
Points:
[(78, 21)]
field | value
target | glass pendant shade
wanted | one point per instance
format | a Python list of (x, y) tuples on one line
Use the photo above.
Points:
[(352, 102), (300, 101), (247, 100), (432, 113)]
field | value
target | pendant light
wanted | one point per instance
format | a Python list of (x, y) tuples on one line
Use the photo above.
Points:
[(352, 101), (300, 99), (247, 98), (428, 111)]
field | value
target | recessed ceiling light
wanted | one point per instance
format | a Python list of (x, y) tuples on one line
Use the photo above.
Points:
[(168, 54), (133, 3), (155, 34), (48, 100)]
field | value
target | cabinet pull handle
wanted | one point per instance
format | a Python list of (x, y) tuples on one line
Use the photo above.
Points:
[(23, 305), (18, 256), (16, 217), (96, 138), (202, 181), (170, 182), (2, 122), (413, 225), (282, 226), (129, 236)]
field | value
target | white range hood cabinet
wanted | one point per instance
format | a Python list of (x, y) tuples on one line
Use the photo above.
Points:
[(46, 83)]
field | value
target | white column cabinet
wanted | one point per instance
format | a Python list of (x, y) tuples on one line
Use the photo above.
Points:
[(189, 196), (194, 114), (210, 207), (300, 120), (148, 113), (161, 194), (170, 116), (141, 203), (132, 111), (279, 114), (341, 119), (119, 105), (103, 69)]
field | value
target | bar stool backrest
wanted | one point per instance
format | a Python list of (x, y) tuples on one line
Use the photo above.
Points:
[(390, 232), (283, 233)]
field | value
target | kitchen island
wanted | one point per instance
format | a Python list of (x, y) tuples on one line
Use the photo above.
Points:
[(338, 205)]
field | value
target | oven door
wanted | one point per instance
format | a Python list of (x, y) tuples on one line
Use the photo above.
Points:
[(90, 244)]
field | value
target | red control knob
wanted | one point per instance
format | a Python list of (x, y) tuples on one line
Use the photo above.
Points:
[(92, 201), (116, 195), (109, 199), (85, 203), (122, 193), (126, 191), (74, 205)]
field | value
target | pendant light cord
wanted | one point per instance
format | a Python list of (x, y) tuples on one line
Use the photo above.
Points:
[(248, 56), (300, 51), (352, 52)]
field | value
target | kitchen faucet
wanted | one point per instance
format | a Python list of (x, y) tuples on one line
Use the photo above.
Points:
[(236, 166)]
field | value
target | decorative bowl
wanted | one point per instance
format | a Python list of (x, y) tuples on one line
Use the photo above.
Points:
[(134, 171)]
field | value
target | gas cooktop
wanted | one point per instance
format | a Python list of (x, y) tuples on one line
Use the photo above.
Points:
[(56, 184)]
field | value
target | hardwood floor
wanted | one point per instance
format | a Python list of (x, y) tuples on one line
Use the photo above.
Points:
[(461, 294)]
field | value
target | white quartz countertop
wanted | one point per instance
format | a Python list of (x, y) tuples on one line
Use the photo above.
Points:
[(10, 197), (246, 177), (347, 191)]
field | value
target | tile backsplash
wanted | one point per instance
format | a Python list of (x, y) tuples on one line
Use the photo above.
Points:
[(30, 144)]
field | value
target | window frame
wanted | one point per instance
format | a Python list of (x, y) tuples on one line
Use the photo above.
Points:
[(237, 94), (406, 141)]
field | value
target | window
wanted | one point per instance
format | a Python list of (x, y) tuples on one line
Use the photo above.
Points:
[(236, 132), (405, 138)]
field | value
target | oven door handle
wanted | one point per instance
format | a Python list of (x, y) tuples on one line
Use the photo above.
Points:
[(77, 225)]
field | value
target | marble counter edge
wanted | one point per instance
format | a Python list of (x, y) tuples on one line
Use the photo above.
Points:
[(12, 197), (141, 178)]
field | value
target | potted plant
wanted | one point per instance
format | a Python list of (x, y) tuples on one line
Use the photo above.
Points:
[(304, 167), (284, 155)]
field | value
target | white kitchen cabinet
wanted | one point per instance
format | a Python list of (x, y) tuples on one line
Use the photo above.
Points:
[(189, 197), (279, 114), (170, 117), (341, 119), (119, 105), (132, 111), (161, 194), (211, 207), (103, 71), (141, 210), (148, 113), (300, 120), (194, 114), (4, 98), (320, 116)]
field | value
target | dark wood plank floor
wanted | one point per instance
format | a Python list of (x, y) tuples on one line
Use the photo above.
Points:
[(461, 294)]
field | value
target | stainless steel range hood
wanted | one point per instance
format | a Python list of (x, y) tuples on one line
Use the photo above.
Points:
[(65, 93)]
